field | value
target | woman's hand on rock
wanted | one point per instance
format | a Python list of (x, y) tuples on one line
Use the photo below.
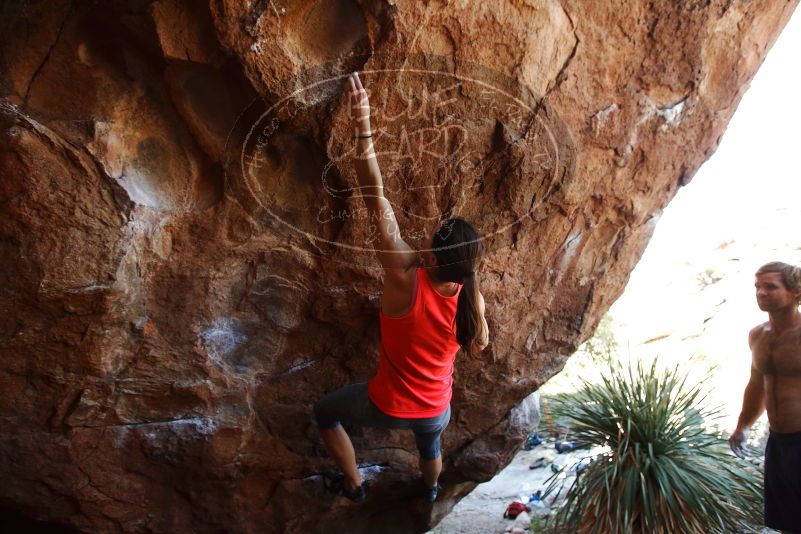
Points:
[(358, 105)]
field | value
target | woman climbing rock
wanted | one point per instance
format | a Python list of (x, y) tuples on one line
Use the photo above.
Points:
[(427, 313)]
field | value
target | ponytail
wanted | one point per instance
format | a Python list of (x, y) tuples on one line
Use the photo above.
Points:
[(468, 314), (457, 246)]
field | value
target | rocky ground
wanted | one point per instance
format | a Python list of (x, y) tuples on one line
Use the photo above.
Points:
[(482, 511)]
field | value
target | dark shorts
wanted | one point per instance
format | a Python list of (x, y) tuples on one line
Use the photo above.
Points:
[(783, 481), (351, 406)]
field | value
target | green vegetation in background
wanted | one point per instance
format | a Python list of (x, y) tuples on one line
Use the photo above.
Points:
[(662, 470)]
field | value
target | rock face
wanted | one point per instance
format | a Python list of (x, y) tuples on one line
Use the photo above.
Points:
[(185, 267)]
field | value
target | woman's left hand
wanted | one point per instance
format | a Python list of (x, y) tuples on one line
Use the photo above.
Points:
[(358, 105)]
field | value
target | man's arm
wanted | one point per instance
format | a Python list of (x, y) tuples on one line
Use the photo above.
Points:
[(483, 334), (392, 250), (753, 403), (753, 400)]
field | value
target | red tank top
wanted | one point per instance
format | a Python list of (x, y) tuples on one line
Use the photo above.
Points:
[(415, 372)]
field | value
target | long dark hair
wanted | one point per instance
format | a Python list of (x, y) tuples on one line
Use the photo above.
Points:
[(457, 247)]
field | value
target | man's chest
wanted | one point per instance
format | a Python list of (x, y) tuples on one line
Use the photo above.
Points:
[(779, 355)]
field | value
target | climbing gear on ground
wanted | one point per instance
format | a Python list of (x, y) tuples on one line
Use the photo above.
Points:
[(567, 446), (536, 497), (582, 465), (532, 441), (515, 509), (539, 462)]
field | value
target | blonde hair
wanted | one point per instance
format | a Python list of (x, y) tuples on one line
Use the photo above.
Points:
[(791, 275)]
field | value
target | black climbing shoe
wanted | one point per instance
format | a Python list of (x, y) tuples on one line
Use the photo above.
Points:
[(335, 483), (357, 496), (432, 493)]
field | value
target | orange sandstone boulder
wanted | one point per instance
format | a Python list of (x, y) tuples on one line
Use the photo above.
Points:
[(185, 265)]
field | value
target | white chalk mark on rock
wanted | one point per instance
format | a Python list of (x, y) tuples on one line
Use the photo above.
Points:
[(370, 472), (527, 413), (671, 113), (88, 289), (221, 338), (257, 47), (599, 119), (298, 365), (155, 430)]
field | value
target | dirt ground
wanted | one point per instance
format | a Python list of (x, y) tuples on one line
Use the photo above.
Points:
[(482, 511)]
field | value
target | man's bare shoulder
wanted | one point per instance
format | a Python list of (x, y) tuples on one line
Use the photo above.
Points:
[(757, 332)]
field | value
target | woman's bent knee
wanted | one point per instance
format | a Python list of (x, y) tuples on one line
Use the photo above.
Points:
[(345, 406), (324, 416), (429, 446)]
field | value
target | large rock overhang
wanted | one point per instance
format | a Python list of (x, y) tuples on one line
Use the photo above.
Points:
[(185, 267)]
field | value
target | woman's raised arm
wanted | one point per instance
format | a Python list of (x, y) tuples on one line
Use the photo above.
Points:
[(392, 250)]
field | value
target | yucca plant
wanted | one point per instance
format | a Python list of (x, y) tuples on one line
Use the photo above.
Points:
[(662, 470)]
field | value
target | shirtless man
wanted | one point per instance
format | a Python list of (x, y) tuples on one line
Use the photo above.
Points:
[(775, 385)]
